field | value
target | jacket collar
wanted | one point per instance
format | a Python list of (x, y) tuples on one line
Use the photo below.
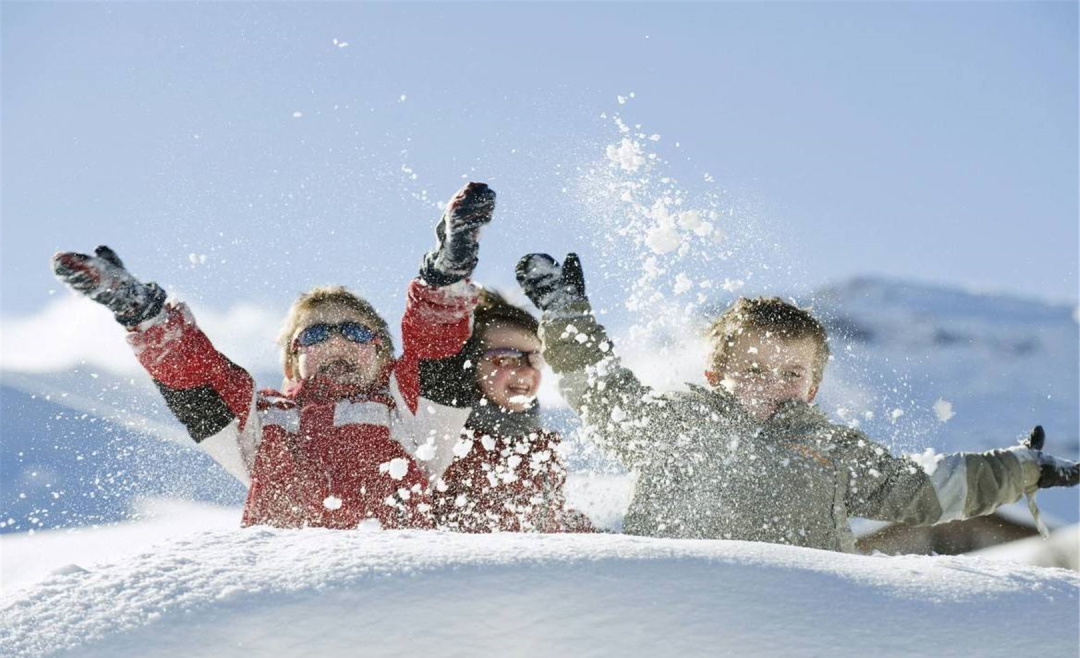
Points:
[(793, 415)]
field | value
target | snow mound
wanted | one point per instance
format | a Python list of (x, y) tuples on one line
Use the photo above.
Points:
[(262, 591)]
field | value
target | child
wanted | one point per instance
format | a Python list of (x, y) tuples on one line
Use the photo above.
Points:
[(750, 458), (351, 438), (507, 474)]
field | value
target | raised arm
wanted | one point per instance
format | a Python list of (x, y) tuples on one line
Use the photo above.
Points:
[(208, 393), (624, 416), (436, 325)]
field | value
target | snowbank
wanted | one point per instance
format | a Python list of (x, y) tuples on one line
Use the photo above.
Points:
[(261, 591)]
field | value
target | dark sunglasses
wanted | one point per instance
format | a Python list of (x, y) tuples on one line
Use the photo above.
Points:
[(508, 357), (321, 332)]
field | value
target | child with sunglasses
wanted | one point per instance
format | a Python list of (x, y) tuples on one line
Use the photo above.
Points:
[(351, 438), (507, 474)]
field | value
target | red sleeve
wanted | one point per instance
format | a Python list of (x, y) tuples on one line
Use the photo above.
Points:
[(436, 325), (202, 387)]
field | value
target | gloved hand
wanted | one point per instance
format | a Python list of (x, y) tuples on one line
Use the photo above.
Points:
[(454, 257), (1053, 472), (102, 278), (550, 286)]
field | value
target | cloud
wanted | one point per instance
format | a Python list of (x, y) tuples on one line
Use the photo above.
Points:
[(71, 331)]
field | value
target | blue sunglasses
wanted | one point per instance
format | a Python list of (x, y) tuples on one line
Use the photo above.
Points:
[(321, 332)]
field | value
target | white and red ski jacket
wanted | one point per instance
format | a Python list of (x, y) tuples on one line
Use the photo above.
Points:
[(319, 454)]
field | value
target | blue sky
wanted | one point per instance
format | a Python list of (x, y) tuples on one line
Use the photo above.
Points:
[(236, 152)]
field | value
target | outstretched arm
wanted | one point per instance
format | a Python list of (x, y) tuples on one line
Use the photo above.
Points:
[(955, 486), (208, 393)]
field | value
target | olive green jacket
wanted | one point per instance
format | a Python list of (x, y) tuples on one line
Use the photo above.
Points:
[(706, 470)]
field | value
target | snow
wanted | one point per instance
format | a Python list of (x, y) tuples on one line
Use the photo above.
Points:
[(943, 409), (262, 591), (396, 468)]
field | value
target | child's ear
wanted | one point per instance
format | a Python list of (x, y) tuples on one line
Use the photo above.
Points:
[(289, 366), (713, 377), (813, 393)]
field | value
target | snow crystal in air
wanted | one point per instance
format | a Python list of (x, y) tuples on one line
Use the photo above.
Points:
[(426, 452), (297, 115), (682, 283), (462, 447), (627, 155), (663, 239), (522, 399), (396, 468), (943, 409), (332, 503), (341, 44), (927, 460)]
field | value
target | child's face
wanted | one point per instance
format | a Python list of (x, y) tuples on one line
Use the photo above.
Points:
[(336, 358), (507, 372), (763, 371)]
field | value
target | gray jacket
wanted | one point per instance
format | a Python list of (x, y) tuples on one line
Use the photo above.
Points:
[(706, 470)]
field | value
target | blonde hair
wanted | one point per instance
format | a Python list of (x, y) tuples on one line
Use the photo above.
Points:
[(772, 315), (332, 296)]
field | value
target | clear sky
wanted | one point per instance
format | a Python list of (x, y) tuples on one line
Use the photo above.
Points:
[(242, 152)]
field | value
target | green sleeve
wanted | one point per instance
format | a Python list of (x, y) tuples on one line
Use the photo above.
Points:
[(622, 415), (945, 488)]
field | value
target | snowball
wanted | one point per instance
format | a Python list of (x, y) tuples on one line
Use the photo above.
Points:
[(627, 155), (462, 447), (943, 410), (689, 219), (682, 283), (663, 239), (426, 452), (396, 468), (927, 460), (369, 525), (332, 503)]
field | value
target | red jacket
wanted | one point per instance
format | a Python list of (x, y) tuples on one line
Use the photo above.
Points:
[(506, 484), (319, 454)]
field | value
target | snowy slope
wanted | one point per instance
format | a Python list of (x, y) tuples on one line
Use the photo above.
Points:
[(316, 592)]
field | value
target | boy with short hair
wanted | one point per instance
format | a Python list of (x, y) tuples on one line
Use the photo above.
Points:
[(351, 438), (750, 458)]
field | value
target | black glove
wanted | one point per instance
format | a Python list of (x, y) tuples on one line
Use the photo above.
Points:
[(1053, 472), (102, 278), (454, 258), (550, 286)]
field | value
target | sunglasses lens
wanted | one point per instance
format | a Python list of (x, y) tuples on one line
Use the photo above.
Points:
[(507, 357), (356, 332), (316, 333)]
